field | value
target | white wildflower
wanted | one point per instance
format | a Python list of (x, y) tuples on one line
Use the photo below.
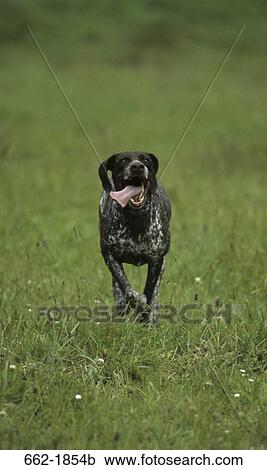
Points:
[(198, 280), (12, 367), (78, 397), (237, 395)]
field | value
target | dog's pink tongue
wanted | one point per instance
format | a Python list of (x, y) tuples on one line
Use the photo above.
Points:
[(123, 196)]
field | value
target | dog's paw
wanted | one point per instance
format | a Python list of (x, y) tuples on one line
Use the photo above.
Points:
[(141, 301), (135, 299), (121, 309), (147, 315), (153, 317)]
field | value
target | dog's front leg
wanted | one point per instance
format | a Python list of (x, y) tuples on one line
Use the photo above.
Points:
[(121, 306), (154, 276), (132, 298)]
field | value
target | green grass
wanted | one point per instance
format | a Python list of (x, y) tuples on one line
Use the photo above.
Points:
[(135, 73)]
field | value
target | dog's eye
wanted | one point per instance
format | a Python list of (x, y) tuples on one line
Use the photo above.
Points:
[(146, 160), (123, 160)]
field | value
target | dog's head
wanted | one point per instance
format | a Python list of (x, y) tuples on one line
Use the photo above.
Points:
[(131, 169)]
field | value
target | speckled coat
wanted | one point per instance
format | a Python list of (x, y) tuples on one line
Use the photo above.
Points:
[(136, 237)]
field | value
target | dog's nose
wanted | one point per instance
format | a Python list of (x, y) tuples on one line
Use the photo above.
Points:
[(137, 167)]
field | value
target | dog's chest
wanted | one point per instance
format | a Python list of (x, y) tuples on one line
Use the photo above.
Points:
[(136, 247)]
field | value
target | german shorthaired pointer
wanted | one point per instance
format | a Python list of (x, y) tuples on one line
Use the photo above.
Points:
[(134, 228)]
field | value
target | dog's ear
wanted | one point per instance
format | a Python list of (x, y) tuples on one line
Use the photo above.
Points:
[(103, 172), (155, 162)]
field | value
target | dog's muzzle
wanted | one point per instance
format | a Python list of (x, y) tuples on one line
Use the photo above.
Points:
[(134, 192)]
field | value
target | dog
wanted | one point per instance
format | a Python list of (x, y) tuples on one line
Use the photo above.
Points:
[(134, 214)]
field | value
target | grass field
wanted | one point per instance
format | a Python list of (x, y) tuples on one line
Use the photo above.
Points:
[(135, 73)]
